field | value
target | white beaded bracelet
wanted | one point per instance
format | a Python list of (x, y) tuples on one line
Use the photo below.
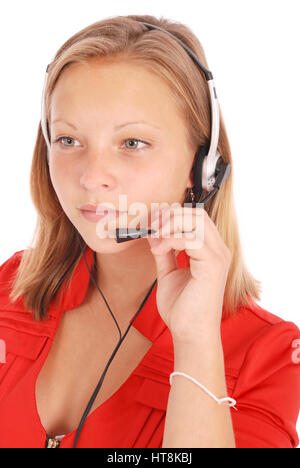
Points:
[(231, 401)]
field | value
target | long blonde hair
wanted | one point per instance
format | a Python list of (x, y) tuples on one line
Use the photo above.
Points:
[(55, 250)]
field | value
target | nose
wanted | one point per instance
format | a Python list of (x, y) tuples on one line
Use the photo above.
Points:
[(98, 171)]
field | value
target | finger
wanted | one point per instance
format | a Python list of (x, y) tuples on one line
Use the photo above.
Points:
[(186, 241), (187, 219), (187, 229), (166, 262)]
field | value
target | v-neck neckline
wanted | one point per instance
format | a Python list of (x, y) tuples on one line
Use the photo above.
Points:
[(103, 407), (148, 322)]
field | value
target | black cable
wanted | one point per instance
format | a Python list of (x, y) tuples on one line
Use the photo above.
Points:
[(95, 393), (96, 285)]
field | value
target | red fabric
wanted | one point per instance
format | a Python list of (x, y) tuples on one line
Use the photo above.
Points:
[(261, 367)]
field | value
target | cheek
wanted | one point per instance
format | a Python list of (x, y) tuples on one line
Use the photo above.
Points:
[(164, 184), (174, 185), (60, 178)]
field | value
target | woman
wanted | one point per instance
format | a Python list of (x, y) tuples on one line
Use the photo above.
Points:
[(197, 309)]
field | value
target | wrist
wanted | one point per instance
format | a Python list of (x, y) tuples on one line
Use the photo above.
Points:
[(202, 356), (195, 334), (210, 338)]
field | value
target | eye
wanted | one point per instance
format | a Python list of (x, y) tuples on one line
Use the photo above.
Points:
[(134, 141), (67, 138)]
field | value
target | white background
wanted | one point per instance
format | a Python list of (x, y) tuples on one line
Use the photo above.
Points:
[(252, 49)]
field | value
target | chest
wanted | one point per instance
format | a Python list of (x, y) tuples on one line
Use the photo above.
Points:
[(78, 356)]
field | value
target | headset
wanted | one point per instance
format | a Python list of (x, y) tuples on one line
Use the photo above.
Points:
[(209, 173)]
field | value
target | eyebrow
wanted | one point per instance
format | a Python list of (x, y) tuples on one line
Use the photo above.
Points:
[(117, 127)]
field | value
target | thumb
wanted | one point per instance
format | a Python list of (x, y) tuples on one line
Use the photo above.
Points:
[(165, 261)]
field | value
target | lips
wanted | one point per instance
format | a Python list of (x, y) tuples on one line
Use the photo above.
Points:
[(95, 213), (99, 209), (88, 208)]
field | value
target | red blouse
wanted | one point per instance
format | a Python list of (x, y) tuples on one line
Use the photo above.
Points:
[(261, 353)]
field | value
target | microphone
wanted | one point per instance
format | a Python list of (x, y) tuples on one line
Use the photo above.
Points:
[(127, 234)]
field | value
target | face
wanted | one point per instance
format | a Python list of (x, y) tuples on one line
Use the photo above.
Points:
[(98, 153)]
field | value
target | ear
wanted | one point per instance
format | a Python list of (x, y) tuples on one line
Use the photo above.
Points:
[(191, 176), (190, 182)]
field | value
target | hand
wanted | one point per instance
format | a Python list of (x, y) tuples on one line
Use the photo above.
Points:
[(190, 300)]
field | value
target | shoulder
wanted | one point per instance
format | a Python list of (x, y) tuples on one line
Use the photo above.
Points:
[(10, 266), (267, 340), (254, 327), (263, 355), (22, 335), (8, 271)]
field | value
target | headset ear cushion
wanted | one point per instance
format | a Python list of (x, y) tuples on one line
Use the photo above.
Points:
[(197, 168)]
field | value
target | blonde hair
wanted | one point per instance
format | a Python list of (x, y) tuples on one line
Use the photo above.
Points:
[(55, 250)]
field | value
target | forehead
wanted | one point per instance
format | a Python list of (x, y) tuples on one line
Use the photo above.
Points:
[(110, 86), (104, 80)]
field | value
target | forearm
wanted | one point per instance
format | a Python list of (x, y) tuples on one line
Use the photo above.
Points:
[(193, 418)]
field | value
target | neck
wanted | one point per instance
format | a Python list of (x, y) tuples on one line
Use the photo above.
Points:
[(125, 277)]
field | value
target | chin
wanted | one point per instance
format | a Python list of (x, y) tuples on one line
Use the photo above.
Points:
[(106, 246)]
